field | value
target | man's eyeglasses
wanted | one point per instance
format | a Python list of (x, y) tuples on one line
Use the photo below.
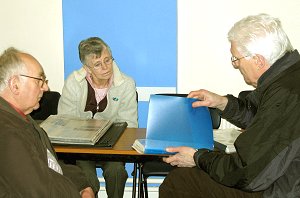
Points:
[(43, 80), (235, 59), (106, 61)]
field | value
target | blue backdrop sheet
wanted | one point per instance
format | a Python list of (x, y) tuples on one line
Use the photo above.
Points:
[(142, 35)]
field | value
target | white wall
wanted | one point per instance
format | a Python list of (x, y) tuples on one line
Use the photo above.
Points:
[(203, 49), (35, 26)]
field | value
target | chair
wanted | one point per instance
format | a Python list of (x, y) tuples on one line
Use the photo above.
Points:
[(158, 168), (48, 106)]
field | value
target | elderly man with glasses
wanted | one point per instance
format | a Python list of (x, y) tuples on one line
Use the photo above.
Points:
[(267, 159), (29, 166)]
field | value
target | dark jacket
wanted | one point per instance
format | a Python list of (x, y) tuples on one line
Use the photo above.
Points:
[(268, 151), (24, 170)]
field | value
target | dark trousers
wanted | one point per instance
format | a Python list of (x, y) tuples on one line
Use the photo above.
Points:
[(114, 173), (195, 183)]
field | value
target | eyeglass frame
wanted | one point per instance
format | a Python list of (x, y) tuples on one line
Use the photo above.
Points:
[(36, 78), (234, 59), (110, 60)]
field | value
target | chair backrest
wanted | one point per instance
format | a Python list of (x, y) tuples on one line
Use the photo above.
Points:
[(215, 116), (48, 106)]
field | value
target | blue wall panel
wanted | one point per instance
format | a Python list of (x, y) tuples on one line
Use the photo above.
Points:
[(143, 113), (142, 35)]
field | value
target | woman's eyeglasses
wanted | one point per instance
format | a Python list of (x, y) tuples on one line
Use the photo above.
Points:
[(106, 61)]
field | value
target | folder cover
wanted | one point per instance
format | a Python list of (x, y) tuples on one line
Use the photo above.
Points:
[(172, 121)]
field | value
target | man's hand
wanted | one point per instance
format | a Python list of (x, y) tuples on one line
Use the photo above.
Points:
[(183, 158), (208, 99), (87, 193)]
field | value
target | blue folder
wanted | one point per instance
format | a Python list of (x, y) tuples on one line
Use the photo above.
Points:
[(172, 121)]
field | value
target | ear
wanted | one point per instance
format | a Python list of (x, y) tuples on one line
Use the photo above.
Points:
[(14, 85), (261, 62)]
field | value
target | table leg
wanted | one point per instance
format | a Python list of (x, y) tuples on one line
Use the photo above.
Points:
[(140, 182), (134, 179)]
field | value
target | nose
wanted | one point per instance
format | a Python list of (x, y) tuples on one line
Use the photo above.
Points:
[(45, 87), (103, 66)]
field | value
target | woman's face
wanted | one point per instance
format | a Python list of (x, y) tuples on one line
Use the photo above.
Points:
[(100, 66)]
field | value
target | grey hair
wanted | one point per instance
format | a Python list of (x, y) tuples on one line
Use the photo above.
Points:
[(260, 34), (10, 64), (92, 45)]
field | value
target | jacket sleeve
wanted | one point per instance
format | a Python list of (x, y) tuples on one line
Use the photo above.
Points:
[(75, 174), (239, 112), (264, 150), (220, 166), (228, 169), (25, 172)]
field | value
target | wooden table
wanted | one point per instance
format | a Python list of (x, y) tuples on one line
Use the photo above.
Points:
[(121, 151)]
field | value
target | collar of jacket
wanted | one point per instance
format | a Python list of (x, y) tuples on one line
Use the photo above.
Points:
[(289, 59), (8, 108), (117, 80)]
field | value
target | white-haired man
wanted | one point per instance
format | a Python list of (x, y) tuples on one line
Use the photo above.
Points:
[(267, 161)]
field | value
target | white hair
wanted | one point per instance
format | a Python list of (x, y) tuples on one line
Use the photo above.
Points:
[(10, 64), (260, 34)]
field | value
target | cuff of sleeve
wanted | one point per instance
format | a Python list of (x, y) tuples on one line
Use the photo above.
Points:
[(230, 105), (198, 154)]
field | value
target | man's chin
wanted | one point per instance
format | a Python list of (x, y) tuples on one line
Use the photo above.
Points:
[(36, 106)]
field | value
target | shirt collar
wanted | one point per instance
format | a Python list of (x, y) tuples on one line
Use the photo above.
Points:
[(18, 110)]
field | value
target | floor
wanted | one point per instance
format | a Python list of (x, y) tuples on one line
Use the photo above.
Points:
[(128, 193), (153, 184)]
